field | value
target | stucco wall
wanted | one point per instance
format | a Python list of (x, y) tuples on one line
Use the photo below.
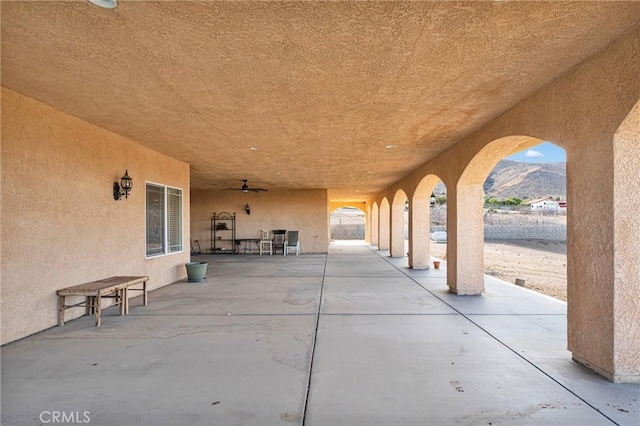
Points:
[(579, 111), (627, 248), (334, 205), (60, 223), (303, 210)]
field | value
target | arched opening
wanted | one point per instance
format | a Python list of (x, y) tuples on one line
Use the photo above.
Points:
[(525, 222), (438, 223), (398, 222), (465, 218), (384, 225), (421, 220), (347, 223)]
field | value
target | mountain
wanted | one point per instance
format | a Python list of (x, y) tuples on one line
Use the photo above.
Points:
[(527, 180)]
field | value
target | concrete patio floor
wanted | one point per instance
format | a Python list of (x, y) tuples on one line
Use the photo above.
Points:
[(352, 338)]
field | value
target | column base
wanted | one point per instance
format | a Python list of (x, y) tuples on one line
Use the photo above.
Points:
[(466, 292), (615, 378)]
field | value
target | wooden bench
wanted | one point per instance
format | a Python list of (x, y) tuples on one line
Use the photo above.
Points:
[(116, 288)]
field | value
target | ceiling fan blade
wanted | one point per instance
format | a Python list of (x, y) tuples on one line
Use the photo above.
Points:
[(245, 188)]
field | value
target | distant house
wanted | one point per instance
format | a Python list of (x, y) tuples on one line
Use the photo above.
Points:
[(547, 204)]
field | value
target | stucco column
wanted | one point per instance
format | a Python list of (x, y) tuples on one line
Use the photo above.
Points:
[(626, 223), (397, 229), (367, 225), (603, 237), (465, 240), (419, 221), (383, 228), (375, 221), (590, 242)]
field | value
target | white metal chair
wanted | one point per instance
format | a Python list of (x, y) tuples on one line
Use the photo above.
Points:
[(266, 242), (292, 243)]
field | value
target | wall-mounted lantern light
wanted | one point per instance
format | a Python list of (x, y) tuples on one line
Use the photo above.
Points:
[(432, 199), (126, 183), (247, 208)]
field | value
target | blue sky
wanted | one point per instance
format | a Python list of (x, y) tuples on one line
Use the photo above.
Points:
[(546, 152)]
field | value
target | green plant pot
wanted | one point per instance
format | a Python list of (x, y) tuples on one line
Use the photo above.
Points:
[(196, 271)]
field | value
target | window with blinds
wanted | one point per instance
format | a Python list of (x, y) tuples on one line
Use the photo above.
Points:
[(164, 220)]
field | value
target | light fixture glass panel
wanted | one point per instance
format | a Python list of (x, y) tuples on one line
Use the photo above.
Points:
[(106, 4)]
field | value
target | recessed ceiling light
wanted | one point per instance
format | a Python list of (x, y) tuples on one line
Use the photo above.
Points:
[(254, 148), (391, 146), (106, 4), (357, 190)]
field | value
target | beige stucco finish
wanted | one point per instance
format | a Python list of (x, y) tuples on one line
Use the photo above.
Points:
[(582, 117), (313, 85), (396, 238), (60, 223), (305, 211), (420, 223), (375, 224), (362, 205), (321, 89), (626, 228), (384, 225)]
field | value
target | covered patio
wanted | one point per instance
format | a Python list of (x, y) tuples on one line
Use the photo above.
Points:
[(353, 337), (276, 112)]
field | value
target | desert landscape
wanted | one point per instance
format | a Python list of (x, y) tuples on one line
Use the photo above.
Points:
[(542, 264)]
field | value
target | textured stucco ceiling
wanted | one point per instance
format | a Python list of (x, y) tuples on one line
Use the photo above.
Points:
[(319, 87)]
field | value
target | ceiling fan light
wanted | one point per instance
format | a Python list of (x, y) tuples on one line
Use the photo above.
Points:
[(106, 4)]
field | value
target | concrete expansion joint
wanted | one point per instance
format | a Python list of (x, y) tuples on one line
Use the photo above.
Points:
[(314, 341), (516, 352)]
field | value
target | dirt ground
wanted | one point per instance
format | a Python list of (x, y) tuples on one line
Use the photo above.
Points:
[(542, 264)]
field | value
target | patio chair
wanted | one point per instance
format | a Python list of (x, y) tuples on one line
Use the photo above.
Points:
[(266, 242), (278, 240), (292, 243)]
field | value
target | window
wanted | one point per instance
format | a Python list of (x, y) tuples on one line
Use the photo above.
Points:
[(164, 220)]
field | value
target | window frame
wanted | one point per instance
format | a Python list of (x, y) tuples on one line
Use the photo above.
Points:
[(165, 226)]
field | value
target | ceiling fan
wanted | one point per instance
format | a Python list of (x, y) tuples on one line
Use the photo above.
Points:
[(245, 188)]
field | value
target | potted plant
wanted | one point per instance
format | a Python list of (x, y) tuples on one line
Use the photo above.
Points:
[(196, 271)]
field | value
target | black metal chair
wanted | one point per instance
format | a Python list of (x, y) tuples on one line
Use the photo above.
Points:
[(278, 239)]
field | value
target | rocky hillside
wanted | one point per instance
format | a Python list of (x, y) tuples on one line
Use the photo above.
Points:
[(527, 180), (523, 180)]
